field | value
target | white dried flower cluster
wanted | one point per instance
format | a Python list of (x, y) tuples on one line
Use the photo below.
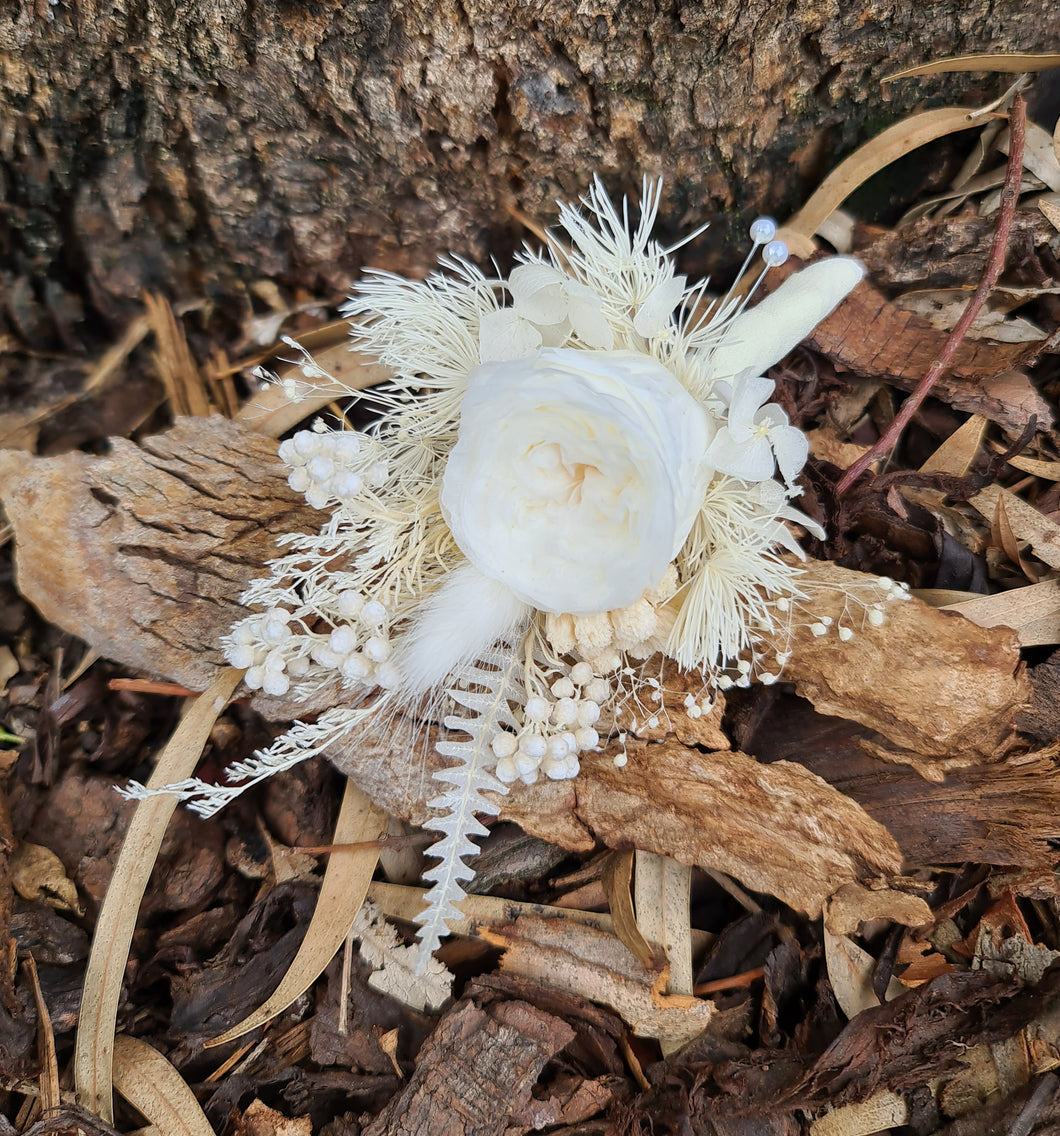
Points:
[(575, 468)]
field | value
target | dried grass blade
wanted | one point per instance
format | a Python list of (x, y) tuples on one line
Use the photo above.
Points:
[(342, 893), (174, 361), (153, 1087), (1013, 64), (895, 142), (94, 1046)]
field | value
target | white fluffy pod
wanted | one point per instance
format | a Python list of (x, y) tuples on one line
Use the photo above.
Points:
[(761, 336)]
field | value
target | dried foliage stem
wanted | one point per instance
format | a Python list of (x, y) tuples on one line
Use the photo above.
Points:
[(995, 263)]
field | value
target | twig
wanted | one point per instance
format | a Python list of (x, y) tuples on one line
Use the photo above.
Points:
[(734, 982), (994, 264), (395, 840)]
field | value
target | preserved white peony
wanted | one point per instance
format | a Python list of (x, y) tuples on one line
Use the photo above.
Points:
[(576, 476)]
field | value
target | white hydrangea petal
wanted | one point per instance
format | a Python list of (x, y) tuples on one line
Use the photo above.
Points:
[(771, 416), (654, 314), (750, 460), (589, 322), (749, 392), (764, 334), (772, 497), (778, 533), (539, 292), (504, 335), (526, 280), (554, 334), (792, 448)]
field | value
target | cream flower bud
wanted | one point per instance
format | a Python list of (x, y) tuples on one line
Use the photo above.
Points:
[(576, 476)]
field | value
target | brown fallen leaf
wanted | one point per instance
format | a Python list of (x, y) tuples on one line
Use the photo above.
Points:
[(150, 1084), (38, 874), (1010, 62), (873, 337), (1027, 523), (1032, 612)]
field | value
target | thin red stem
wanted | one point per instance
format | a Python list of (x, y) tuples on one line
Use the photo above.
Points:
[(995, 263)]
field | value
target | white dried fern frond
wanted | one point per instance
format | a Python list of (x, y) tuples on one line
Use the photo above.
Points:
[(486, 690), (395, 965)]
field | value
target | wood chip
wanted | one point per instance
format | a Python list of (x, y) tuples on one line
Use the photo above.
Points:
[(597, 967), (477, 1068), (930, 683)]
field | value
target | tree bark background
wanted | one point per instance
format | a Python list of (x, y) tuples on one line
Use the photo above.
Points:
[(198, 145)]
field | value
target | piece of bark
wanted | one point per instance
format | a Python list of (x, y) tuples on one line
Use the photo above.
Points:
[(931, 682), (477, 1068), (779, 829), (226, 141), (1003, 813), (944, 252), (143, 553), (597, 966)]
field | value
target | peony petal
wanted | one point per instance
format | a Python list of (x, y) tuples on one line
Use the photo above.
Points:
[(504, 335), (653, 316), (763, 335), (576, 477)]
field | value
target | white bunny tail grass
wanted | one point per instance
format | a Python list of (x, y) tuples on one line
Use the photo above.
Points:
[(756, 338), (467, 614)]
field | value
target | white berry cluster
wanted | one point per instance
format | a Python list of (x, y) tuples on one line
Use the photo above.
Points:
[(331, 466), (639, 630), (276, 647), (558, 724)]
